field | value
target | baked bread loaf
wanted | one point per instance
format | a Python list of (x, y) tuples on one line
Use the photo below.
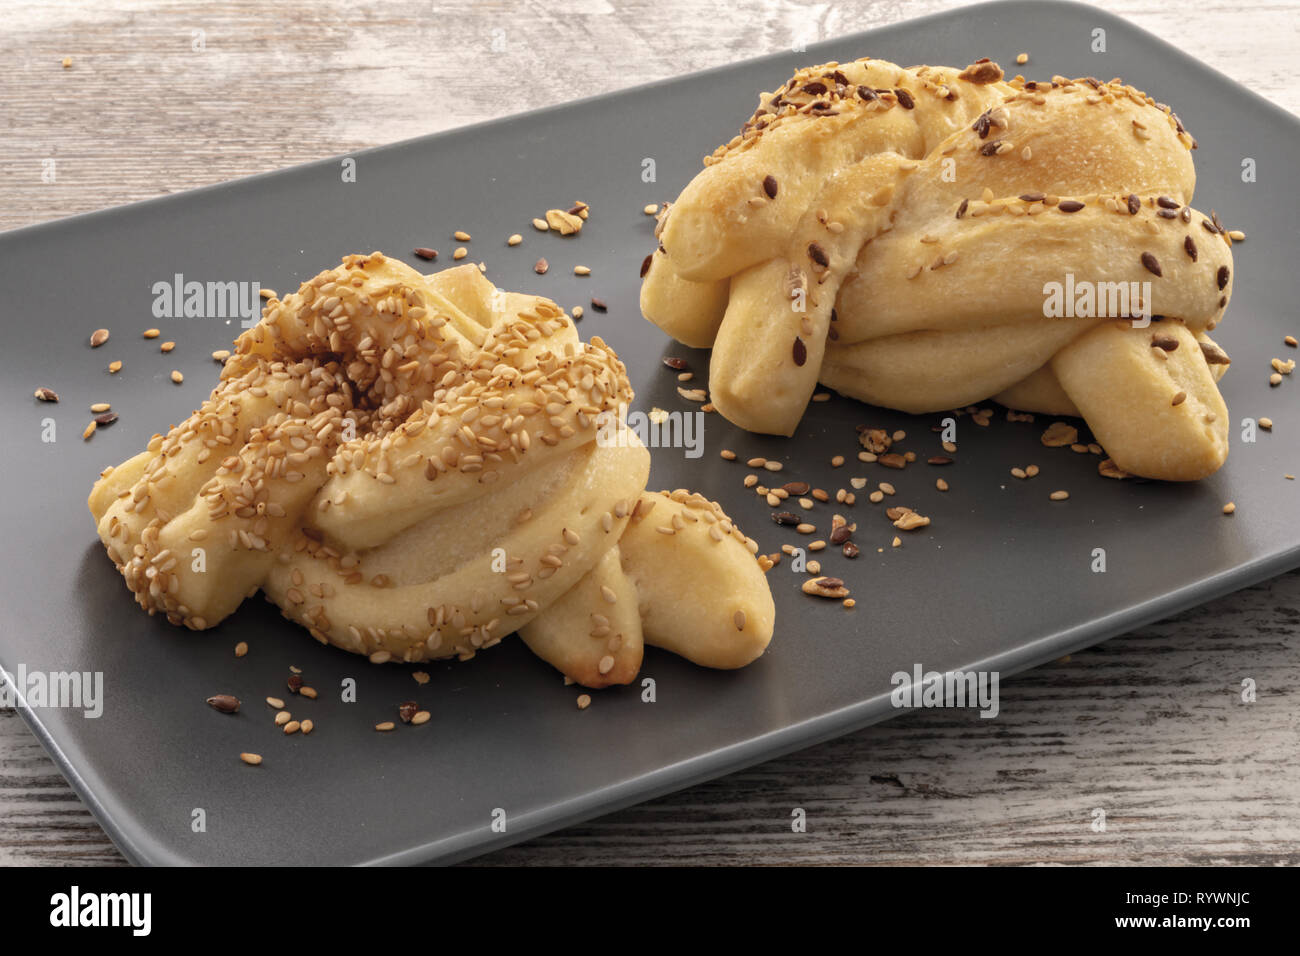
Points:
[(413, 467), (894, 234)]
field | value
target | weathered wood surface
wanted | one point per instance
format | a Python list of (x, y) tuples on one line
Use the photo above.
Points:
[(1149, 727)]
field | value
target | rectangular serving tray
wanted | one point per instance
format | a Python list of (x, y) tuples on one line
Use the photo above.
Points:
[(1002, 580)]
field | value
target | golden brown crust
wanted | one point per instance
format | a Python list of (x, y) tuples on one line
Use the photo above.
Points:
[(894, 232), (409, 466)]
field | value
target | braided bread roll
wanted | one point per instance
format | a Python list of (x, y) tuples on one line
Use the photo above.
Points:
[(414, 467), (893, 233)]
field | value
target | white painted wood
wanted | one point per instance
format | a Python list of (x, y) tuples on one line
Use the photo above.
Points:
[(1149, 727)]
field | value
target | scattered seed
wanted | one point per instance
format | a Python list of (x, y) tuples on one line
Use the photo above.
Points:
[(406, 710), (224, 703), (151, 333), (584, 701), (100, 336), (307, 727), (282, 718), (385, 725), (541, 266), (90, 430), (1022, 58), (252, 760), (581, 271), (598, 304), (106, 419), (177, 377), (826, 587), (1059, 495), (114, 368), (46, 394), (461, 235), (1229, 508), (241, 649), (424, 252), (1266, 424), (651, 209), (292, 727)]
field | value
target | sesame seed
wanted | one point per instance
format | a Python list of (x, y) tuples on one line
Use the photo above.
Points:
[(292, 727), (461, 235), (114, 368), (151, 333), (1059, 495), (1290, 340), (166, 347), (241, 649), (1229, 508), (584, 701), (581, 271), (90, 430), (941, 484), (252, 760), (282, 718), (275, 702), (308, 727), (177, 377), (651, 209), (1022, 58), (540, 225), (385, 725), (460, 253), (727, 454), (1266, 424)]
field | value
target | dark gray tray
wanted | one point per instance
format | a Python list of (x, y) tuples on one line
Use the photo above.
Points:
[(1001, 581)]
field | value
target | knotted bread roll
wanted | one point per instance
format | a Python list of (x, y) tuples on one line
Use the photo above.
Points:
[(894, 234), (413, 467)]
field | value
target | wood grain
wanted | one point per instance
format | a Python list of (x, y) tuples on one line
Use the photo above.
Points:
[(1149, 727)]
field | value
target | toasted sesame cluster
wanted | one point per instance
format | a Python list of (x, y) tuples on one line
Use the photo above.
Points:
[(410, 467), (892, 233)]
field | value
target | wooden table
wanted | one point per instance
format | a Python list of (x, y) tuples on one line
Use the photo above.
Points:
[(164, 95)]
